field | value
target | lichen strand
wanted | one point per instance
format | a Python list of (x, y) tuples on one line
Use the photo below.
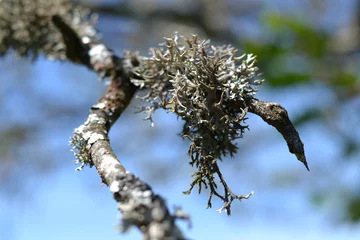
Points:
[(201, 83), (25, 26)]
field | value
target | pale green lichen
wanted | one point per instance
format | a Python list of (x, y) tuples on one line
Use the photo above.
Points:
[(80, 150), (84, 138), (203, 84)]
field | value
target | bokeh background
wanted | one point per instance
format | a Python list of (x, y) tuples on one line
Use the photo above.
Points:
[(309, 53)]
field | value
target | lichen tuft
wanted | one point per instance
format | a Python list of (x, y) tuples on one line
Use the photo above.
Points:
[(202, 84)]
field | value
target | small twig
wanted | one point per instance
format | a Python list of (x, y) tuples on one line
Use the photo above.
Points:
[(227, 205), (276, 115), (228, 192)]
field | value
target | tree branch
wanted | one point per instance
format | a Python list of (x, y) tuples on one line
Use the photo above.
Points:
[(139, 205)]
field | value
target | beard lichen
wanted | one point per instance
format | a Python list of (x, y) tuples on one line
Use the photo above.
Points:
[(201, 84)]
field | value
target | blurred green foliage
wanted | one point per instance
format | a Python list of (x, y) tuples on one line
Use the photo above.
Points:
[(353, 213), (302, 36)]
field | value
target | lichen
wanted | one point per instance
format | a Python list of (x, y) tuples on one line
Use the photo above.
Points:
[(201, 84), (85, 136), (80, 150)]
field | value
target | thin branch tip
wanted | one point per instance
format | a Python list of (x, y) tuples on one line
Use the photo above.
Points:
[(301, 157), (276, 115)]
